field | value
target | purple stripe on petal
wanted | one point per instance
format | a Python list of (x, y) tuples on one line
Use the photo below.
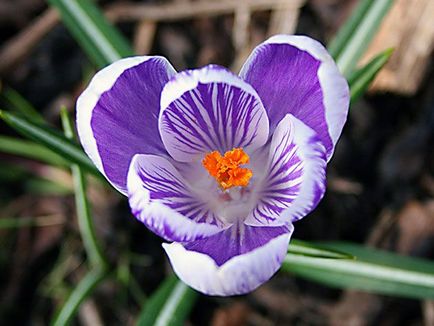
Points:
[(117, 114), (295, 74), (235, 261), (159, 198), (210, 109), (295, 178), (235, 241)]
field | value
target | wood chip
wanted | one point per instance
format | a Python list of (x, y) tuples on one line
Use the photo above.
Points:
[(409, 29)]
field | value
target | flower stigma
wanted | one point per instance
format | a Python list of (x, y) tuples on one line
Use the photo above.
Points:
[(226, 169)]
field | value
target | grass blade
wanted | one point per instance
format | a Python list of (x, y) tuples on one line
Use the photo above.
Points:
[(39, 221), (347, 30), (360, 80), (44, 186), (362, 34), (169, 305), (78, 295), (373, 271), (85, 222), (31, 150), (298, 247), (10, 173), (50, 138), (97, 37), (99, 263), (20, 104)]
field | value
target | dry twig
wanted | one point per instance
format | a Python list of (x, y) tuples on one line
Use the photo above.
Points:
[(187, 10), (18, 48)]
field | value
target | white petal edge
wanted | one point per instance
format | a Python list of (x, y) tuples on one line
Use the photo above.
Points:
[(100, 83), (335, 87), (239, 275), (314, 170), (312, 153), (159, 217), (187, 80)]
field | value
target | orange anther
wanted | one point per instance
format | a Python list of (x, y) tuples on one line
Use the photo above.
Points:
[(226, 169)]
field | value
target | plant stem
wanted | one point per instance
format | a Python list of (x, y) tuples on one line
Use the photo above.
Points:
[(85, 222), (80, 293)]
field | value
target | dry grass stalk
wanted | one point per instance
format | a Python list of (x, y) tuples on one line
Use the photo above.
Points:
[(15, 50), (187, 10), (284, 18), (144, 37)]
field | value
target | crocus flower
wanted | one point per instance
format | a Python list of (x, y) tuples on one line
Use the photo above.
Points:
[(219, 165)]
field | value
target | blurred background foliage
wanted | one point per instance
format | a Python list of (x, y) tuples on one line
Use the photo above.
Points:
[(70, 249)]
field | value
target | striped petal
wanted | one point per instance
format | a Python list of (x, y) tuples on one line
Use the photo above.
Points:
[(210, 109), (295, 74), (117, 114), (235, 261), (294, 181), (160, 198)]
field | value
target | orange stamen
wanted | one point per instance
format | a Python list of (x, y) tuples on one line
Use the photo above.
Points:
[(226, 169)]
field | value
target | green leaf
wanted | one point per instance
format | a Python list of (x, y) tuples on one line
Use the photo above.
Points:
[(169, 305), (85, 222), (374, 271), (50, 138), (20, 104), (78, 295), (98, 38), (11, 173), (348, 29), (298, 247), (39, 221), (360, 80), (361, 36), (98, 261), (31, 150), (43, 186)]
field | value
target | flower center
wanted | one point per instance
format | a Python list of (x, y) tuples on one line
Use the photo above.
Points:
[(226, 169)]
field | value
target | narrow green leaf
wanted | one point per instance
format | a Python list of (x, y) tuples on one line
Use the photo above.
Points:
[(298, 247), (98, 38), (100, 267), (377, 256), (50, 138), (347, 30), (360, 80), (31, 150), (11, 173), (39, 221), (361, 37), (83, 289), (85, 222), (373, 271), (20, 104), (169, 305), (43, 186)]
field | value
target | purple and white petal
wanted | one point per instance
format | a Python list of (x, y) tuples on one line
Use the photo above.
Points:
[(117, 114), (210, 109), (235, 261), (295, 74), (159, 198), (295, 176)]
